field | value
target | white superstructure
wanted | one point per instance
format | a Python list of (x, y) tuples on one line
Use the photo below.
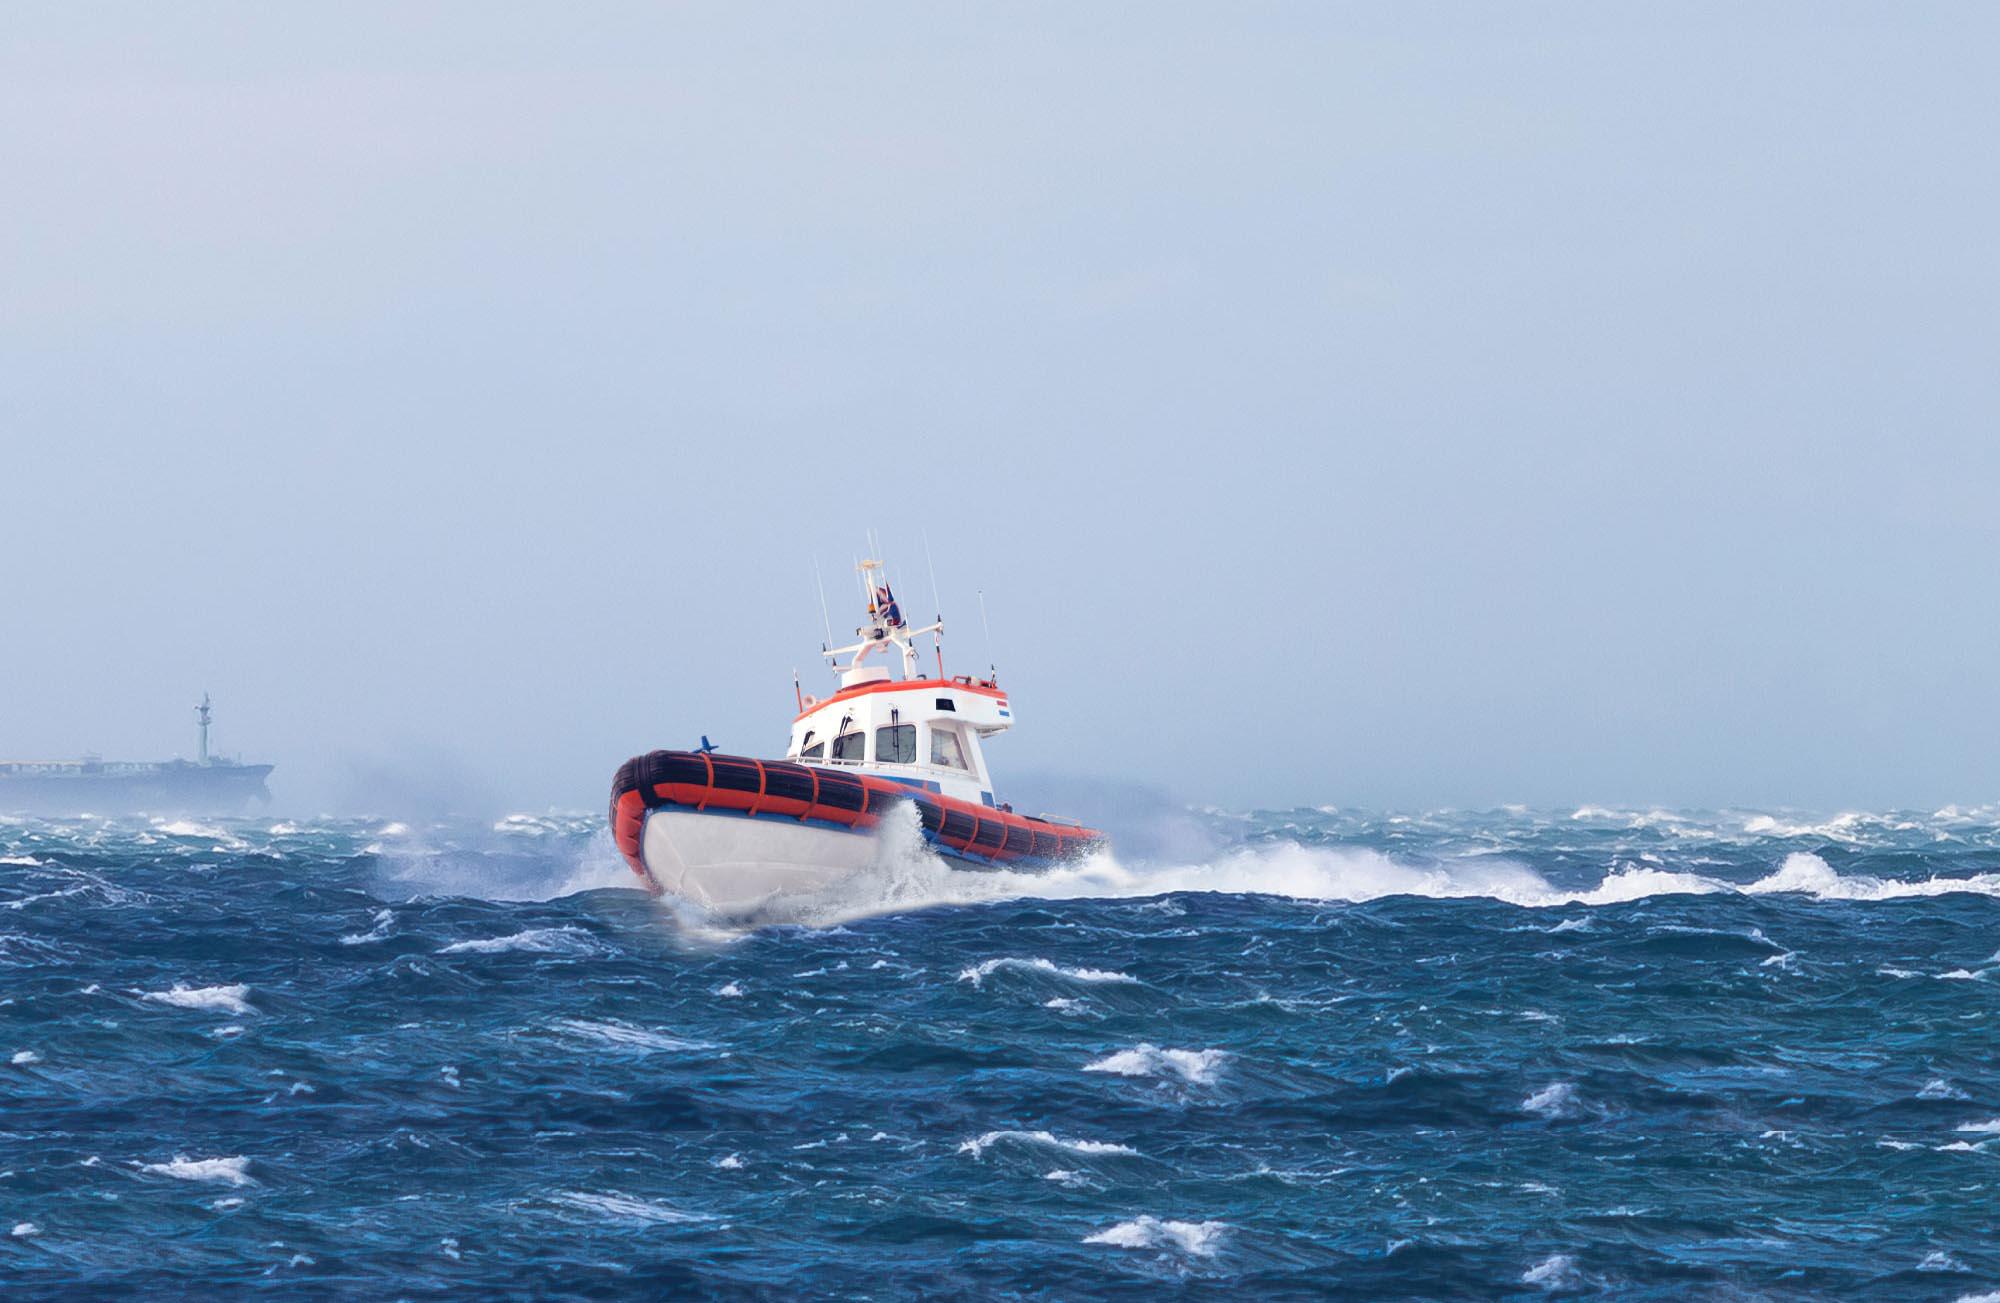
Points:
[(924, 732)]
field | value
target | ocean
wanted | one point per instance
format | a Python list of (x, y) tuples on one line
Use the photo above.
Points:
[(1511, 1053)]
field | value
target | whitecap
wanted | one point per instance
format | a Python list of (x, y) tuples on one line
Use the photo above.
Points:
[(626, 1036), (1939, 1088), (541, 940), (1991, 1128), (232, 1171), (1551, 1101), (22, 1230), (1198, 1067), (729, 991), (978, 1146), (22, 1058), (188, 828), (383, 919), (1557, 1271), (25, 861), (624, 1207), (1200, 1239), (228, 999), (1808, 874), (978, 973), (730, 1162), (1939, 1260)]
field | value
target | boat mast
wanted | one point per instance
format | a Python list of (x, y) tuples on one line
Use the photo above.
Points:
[(880, 634), (201, 719)]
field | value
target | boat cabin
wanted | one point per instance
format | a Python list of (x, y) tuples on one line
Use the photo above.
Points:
[(922, 731)]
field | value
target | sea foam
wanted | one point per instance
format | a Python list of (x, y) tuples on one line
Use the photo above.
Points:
[(978, 1146), (1198, 1067), (224, 999), (1201, 1239), (230, 1171), (540, 940), (978, 973)]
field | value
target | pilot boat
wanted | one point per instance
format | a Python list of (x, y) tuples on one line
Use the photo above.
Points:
[(732, 833)]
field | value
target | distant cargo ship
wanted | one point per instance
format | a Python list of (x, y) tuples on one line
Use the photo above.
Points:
[(208, 783)]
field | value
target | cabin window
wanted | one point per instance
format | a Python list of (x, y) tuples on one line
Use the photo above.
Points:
[(849, 746), (813, 752), (946, 703), (807, 740), (896, 744), (947, 750)]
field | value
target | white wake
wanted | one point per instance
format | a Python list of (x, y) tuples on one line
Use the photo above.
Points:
[(907, 875)]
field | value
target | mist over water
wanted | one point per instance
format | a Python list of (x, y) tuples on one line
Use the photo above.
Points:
[(1440, 1053)]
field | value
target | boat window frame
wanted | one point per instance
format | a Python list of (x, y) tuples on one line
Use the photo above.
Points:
[(938, 731), (861, 758), (897, 756)]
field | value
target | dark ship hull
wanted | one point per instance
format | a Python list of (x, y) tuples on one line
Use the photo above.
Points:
[(95, 787)]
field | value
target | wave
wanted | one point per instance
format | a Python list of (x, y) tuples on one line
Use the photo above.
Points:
[(1557, 1271), (1201, 1239), (535, 940), (624, 1207), (978, 1146), (384, 919), (230, 1171), (1557, 1100), (907, 876), (207, 832), (498, 866), (627, 1037), (978, 973), (228, 999), (1197, 1067)]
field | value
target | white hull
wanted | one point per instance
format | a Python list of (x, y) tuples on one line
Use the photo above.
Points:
[(734, 865)]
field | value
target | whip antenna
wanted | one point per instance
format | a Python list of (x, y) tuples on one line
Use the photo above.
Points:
[(826, 617), (937, 634), (989, 631)]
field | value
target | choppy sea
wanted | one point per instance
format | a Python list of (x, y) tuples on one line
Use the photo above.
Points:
[(1513, 1053)]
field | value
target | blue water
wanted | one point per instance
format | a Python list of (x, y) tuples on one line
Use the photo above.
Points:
[(1590, 1052)]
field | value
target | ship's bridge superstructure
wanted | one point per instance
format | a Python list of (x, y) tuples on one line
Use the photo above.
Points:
[(921, 731)]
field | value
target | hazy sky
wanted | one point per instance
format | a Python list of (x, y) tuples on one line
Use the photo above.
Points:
[(1390, 404)]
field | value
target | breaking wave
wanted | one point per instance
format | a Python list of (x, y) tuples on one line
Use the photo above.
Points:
[(535, 940), (978, 1145), (228, 1171), (226, 999), (1200, 1239), (907, 875), (1196, 1067)]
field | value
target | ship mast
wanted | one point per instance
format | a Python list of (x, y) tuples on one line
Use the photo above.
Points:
[(886, 630), (201, 719)]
